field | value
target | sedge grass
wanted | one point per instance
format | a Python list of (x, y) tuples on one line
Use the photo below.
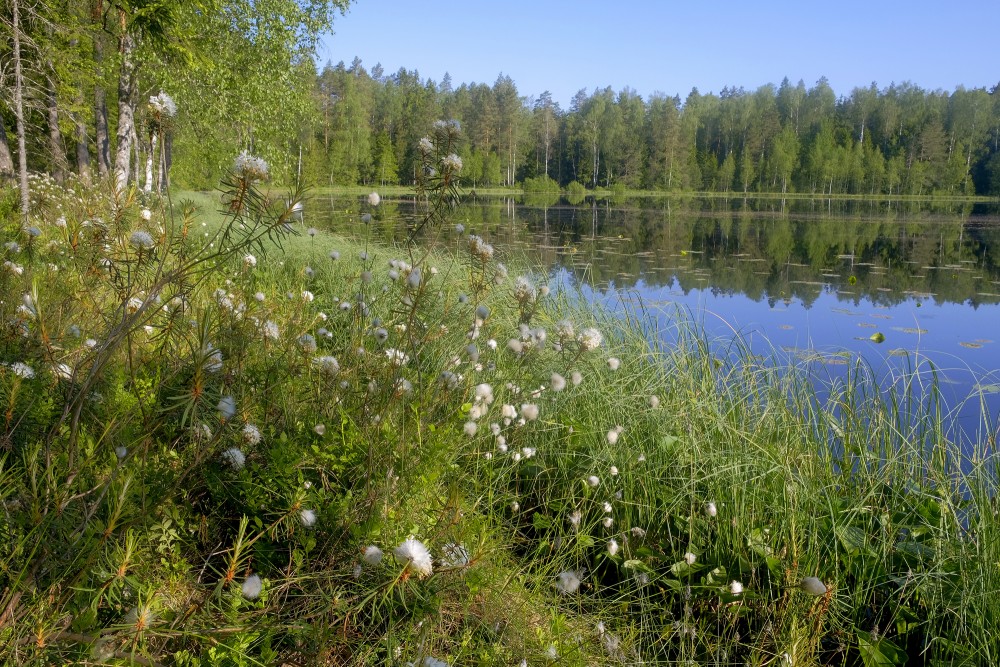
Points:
[(742, 470)]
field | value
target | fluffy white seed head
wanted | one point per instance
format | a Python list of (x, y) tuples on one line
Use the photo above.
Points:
[(414, 556), (252, 587), (813, 586), (568, 582)]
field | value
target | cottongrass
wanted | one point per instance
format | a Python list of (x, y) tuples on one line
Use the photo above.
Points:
[(371, 554), (813, 586), (234, 458), (252, 586), (413, 555), (567, 582), (308, 518)]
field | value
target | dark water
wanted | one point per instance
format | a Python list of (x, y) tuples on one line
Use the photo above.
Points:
[(811, 281)]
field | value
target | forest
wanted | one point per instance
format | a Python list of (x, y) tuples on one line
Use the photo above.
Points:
[(87, 71)]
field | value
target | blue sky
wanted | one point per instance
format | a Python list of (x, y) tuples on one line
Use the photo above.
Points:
[(563, 46)]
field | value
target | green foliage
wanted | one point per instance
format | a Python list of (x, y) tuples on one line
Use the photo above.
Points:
[(227, 443), (540, 184)]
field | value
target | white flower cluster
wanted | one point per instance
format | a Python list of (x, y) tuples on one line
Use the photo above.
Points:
[(163, 104), (590, 339), (141, 240), (452, 162), (480, 249), (524, 290), (250, 167), (414, 555)]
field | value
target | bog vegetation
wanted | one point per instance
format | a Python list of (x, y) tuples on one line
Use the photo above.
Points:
[(230, 440)]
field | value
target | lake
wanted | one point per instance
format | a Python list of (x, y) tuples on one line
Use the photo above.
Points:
[(905, 286)]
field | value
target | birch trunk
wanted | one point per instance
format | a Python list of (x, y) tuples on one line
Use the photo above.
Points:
[(127, 91), (6, 159), (149, 163), (22, 156)]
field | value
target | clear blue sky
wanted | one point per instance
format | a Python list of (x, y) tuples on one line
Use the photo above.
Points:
[(563, 46)]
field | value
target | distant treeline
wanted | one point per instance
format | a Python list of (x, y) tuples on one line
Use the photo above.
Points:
[(236, 81), (895, 140)]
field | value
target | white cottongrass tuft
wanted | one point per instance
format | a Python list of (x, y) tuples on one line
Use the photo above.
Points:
[(813, 586), (711, 510), (374, 199), (590, 339), (654, 401), (371, 554), (308, 343), (574, 518), (613, 471), (690, 558), (414, 555), (327, 365), (529, 411), (308, 518), (22, 370), (557, 382), (249, 260), (226, 407), (484, 392), (319, 429), (251, 434), (163, 104), (470, 428), (141, 239), (576, 378), (121, 452), (593, 481), (452, 161), (252, 586), (614, 363), (613, 547), (397, 357), (234, 458), (249, 167), (568, 582), (735, 587)]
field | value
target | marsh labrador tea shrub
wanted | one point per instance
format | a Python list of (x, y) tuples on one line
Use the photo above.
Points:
[(216, 429)]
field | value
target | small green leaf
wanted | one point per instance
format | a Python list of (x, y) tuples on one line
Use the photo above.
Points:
[(880, 652)]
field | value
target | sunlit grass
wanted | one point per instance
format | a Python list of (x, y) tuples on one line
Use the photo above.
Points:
[(201, 484)]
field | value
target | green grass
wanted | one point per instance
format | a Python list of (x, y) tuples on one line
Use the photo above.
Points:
[(143, 558)]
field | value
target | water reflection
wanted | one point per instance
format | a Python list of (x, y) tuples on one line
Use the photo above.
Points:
[(900, 284)]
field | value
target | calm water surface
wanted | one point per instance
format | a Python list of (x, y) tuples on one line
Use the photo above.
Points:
[(813, 282)]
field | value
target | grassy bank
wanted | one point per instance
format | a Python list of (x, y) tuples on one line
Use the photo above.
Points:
[(228, 444)]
